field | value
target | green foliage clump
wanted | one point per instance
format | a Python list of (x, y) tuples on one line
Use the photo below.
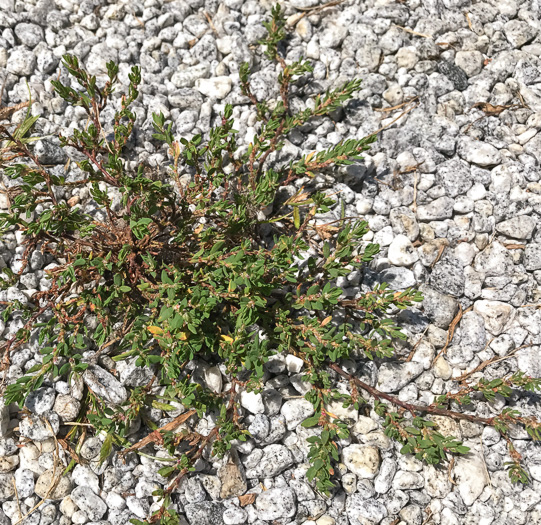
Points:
[(208, 264)]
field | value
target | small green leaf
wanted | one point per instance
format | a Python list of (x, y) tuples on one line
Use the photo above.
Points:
[(311, 421), (106, 448), (325, 437), (166, 471), (297, 217), (165, 313)]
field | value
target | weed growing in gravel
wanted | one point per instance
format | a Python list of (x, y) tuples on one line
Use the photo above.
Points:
[(209, 265)]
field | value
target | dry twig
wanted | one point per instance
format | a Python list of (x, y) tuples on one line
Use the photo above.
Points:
[(415, 181), (17, 498), (449, 471), (5, 111), (450, 333), (468, 19), (398, 106), (394, 120), (491, 361), (429, 516), (307, 11), (411, 31), (172, 425), (211, 23), (441, 249), (416, 345), (317, 8)]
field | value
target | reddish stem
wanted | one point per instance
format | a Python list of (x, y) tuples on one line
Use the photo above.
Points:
[(429, 409)]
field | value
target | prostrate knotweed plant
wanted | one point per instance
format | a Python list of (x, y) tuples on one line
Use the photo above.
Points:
[(208, 265)]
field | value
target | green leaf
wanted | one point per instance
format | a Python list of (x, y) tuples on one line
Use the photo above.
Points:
[(311, 421), (325, 437), (106, 448), (165, 278), (414, 431), (176, 322), (296, 217), (311, 473), (162, 406), (318, 464), (165, 313), (166, 471)]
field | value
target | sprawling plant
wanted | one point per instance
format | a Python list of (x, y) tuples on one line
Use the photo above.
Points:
[(208, 264)]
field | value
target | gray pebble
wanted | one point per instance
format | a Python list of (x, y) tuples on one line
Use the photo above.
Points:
[(89, 502), (455, 74)]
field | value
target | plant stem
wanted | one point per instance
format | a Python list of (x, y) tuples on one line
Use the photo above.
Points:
[(428, 409)]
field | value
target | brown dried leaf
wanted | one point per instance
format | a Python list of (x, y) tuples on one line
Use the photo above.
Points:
[(156, 437), (326, 232), (326, 321), (6, 112), (298, 198), (247, 499), (491, 110)]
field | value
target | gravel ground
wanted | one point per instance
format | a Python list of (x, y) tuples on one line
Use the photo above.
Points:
[(452, 194)]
